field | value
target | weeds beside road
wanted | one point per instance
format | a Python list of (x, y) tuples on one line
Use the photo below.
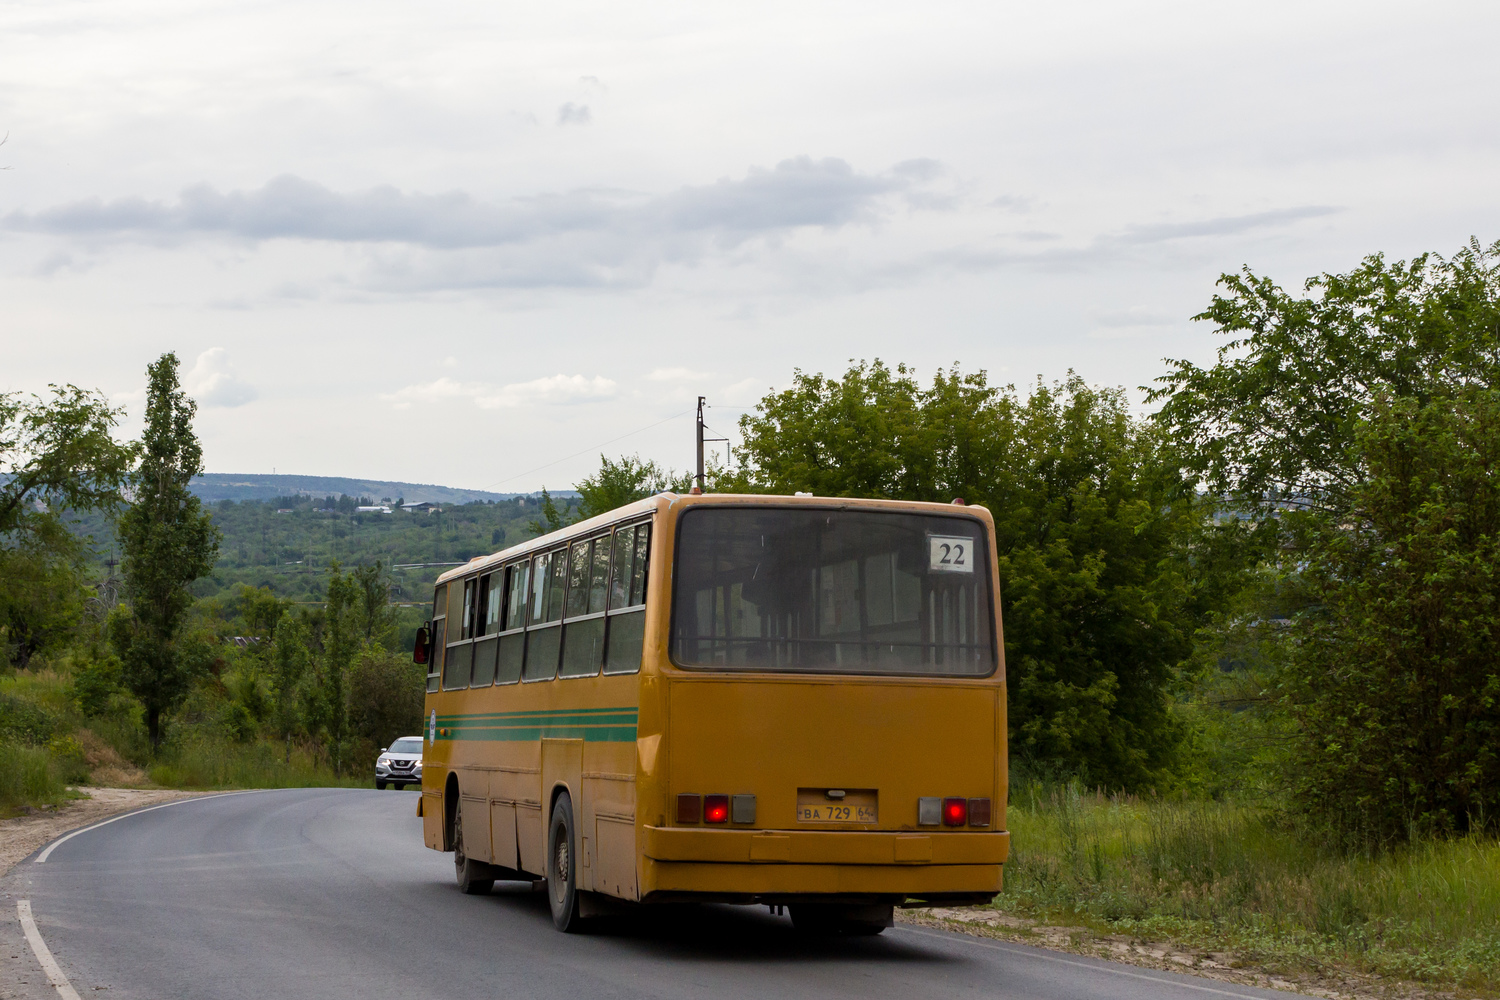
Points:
[(1221, 878)]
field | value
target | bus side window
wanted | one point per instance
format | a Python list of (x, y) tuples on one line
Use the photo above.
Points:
[(439, 652), (513, 639), (627, 594), (438, 639), (544, 633), (485, 628)]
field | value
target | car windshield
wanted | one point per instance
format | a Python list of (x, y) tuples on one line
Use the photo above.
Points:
[(832, 591), (407, 746)]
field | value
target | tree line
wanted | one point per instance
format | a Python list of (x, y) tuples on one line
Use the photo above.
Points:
[(1315, 512)]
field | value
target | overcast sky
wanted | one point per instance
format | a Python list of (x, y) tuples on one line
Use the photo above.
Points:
[(456, 242)]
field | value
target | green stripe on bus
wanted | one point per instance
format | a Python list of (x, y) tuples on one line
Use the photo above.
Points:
[(592, 725), (517, 734)]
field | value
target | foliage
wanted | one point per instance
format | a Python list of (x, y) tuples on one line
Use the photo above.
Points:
[(168, 543), (1220, 876), (41, 599), (386, 692), (1097, 530), (624, 482), (340, 645), (1393, 682), (1274, 421), (1358, 424), (56, 455)]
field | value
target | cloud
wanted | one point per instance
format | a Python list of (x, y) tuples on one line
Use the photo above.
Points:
[(796, 192), (212, 381), (678, 375), (553, 389), (574, 114), (1226, 225)]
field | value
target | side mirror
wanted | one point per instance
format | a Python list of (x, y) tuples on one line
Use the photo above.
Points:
[(419, 649), (384, 749)]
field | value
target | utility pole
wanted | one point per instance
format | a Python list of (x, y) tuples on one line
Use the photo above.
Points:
[(698, 484)]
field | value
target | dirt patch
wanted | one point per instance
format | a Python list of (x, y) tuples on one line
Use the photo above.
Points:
[(1163, 956), (106, 767), (24, 834)]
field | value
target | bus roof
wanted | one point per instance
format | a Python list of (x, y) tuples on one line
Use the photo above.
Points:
[(666, 500)]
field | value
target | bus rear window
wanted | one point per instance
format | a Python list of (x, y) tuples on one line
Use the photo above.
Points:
[(832, 591)]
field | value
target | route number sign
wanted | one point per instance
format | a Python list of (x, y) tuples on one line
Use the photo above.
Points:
[(950, 554)]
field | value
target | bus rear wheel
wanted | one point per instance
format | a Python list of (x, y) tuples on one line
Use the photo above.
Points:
[(562, 867), (469, 873)]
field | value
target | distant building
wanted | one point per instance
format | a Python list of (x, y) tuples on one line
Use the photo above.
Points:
[(379, 508), (425, 506), (283, 510)]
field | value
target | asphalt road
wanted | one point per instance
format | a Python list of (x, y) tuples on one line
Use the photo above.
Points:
[(329, 893)]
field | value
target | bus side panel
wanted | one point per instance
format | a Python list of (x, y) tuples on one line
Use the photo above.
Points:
[(473, 799), (503, 833), (614, 871)]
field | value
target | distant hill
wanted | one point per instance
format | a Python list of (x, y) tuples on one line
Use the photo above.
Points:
[(215, 486)]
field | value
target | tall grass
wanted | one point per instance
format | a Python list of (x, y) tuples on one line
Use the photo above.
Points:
[(1221, 875), (30, 777), (217, 763)]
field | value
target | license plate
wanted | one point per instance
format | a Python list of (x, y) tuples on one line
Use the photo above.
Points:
[(858, 805)]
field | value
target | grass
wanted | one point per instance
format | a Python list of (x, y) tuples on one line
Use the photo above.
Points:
[(261, 764), (30, 778), (52, 747), (1222, 876)]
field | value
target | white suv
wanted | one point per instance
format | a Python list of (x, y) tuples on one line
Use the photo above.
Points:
[(400, 764)]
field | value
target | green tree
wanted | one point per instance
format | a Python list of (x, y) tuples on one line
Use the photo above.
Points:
[(1095, 525), (56, 455), (1273, 423), (168, 541), (57, 458), (622, 482), (290, 655), (1393, 683), (377, 619), (386, 692), (341, 643), (1357, 422)]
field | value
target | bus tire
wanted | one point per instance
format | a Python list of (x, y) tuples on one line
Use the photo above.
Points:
[(562, 867), (469, 873)]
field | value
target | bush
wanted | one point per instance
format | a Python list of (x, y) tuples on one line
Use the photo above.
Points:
[(1393, 682), (386, 691), (26, 722)]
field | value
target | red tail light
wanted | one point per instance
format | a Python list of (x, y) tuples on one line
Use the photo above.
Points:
[(716, 809), (955, 812), (689, 808)]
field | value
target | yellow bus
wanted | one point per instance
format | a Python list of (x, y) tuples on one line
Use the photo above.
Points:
[(794, 701)]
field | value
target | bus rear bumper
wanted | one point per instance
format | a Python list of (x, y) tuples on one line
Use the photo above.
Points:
[(666, 881), (784, 865), (857, 848)]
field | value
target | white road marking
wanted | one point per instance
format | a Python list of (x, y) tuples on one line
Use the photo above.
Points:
[(43, 955), (41, 858), (1023, 952)]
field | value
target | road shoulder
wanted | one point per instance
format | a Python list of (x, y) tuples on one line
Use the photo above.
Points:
[(1161, 956), (21, 836), (21, 976)]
